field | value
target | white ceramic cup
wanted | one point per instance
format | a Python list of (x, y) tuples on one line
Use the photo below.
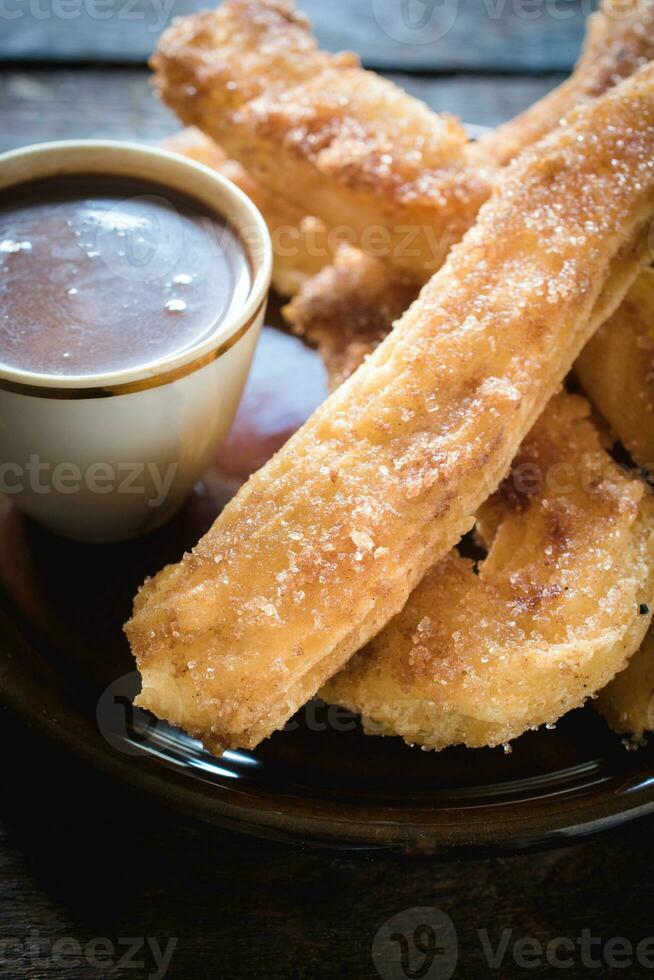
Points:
[(111, 456)]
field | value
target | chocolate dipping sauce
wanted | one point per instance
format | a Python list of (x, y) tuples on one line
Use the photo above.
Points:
[(99, 274)]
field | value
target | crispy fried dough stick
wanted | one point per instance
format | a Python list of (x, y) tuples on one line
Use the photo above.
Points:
[(619, 39), (463, 698), (551, 616), (349, 146), (302, 245), (348, 309), (616, 370), (324, 544), (627, 703), (613, 48)]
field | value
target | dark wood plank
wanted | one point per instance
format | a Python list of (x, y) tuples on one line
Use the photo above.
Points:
[(408, 35), (39, 105)]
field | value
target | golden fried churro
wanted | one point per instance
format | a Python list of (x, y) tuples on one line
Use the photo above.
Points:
[(627, 702), (619, 360), (324, 544), (348, 309), (350, 147), (616, 370), (302, 245), (478, 656), (619, 39), (621, 356)]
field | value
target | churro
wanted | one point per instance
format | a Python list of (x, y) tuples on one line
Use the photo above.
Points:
[(323, 546), (481, 654), (619, 40), (349, 146), (616, 370), (627, 703), (345, 145)]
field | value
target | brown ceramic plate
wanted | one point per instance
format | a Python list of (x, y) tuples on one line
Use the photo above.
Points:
[(65, 665)]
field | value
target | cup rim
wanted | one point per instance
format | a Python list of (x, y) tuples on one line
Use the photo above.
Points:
[(172, 170)]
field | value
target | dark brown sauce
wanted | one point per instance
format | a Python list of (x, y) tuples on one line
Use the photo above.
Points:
[(99, 274)]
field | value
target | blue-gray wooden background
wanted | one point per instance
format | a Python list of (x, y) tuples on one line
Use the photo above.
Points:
[(397, 35), (71, 68)]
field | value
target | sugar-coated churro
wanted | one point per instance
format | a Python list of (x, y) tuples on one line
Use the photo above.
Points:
[(617, 364), (323, 546), (616, 370), (349, 146), (619, 40), (627, 702), (392, 177), (479, 655)]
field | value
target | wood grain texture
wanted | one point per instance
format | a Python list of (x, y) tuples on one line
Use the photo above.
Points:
[(411, 35), (118, 103)]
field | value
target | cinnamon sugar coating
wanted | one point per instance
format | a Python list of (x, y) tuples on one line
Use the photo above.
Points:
[(479, 655), (325, 543), (348, 145), (619, 40), (616, 371)]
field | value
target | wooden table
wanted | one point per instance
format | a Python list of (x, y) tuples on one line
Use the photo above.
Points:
[(87, 865)]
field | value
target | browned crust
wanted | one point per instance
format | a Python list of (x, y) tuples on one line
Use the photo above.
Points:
[(479, 655), (385, 476), (349, 145), (348, 309), (619, 40), (616, 370)]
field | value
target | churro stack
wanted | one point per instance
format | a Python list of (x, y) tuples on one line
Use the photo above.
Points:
[(343, 543)]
